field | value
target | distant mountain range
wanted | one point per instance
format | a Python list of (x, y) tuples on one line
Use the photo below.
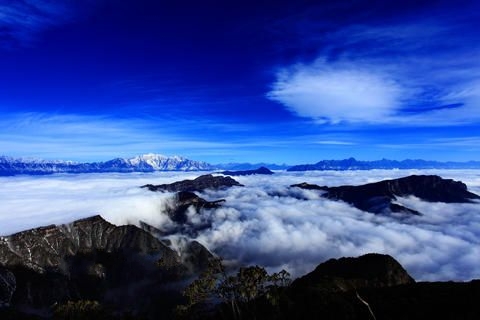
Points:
[(144, 163), (353, 164), (155, 162), (251, 166)]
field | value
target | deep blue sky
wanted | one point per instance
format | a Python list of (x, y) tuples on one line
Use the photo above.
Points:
[(234, 81)]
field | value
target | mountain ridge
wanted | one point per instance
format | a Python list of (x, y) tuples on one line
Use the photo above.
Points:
[(354, 164), (379, 197), (149, 162)]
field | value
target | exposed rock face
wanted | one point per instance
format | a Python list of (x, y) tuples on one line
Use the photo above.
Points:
[(198, 184), (377, 197), (370, 270), (261, 170), (48, 247), (87, 259)]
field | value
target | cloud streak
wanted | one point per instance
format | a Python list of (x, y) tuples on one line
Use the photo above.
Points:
[(103, 137), (96, 138), (21, 21), (266, 222)]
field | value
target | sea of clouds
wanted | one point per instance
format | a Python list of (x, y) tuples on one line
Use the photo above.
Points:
[(266, 222)]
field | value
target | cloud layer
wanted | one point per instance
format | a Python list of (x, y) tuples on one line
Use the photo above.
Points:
[(266, 222)]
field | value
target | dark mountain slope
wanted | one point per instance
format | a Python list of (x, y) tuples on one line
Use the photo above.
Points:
[(372, 286), (261, 170), (198, 184), (354, 164), (377, 197), (125, 267), (370, 270)]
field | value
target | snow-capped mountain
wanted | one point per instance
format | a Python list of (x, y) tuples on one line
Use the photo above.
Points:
[(143, 163), (164, 163)]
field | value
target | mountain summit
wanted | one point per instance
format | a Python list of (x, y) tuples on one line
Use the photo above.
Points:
[(160, 162)]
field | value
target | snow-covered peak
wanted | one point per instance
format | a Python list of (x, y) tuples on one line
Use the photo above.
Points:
[(158, 161), (148, 157)]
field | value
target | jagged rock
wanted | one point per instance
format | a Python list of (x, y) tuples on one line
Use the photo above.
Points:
[(198, 184), (86, 260), (47, 247), (377, 197), (261, 170)]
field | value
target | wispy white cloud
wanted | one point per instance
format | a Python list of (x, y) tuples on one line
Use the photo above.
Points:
[(21, 21), (97, 137), (472, 142), (335, 142), (92, 137), (336, 94)]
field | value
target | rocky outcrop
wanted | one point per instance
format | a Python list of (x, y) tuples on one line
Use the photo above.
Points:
[(367, 271), (46, 248), (198, 184), (378, 197), (261, 170), (373, 286), (88, 259)]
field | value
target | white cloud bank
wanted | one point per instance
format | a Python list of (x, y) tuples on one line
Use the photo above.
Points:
[(336, 94), (265, 222)]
